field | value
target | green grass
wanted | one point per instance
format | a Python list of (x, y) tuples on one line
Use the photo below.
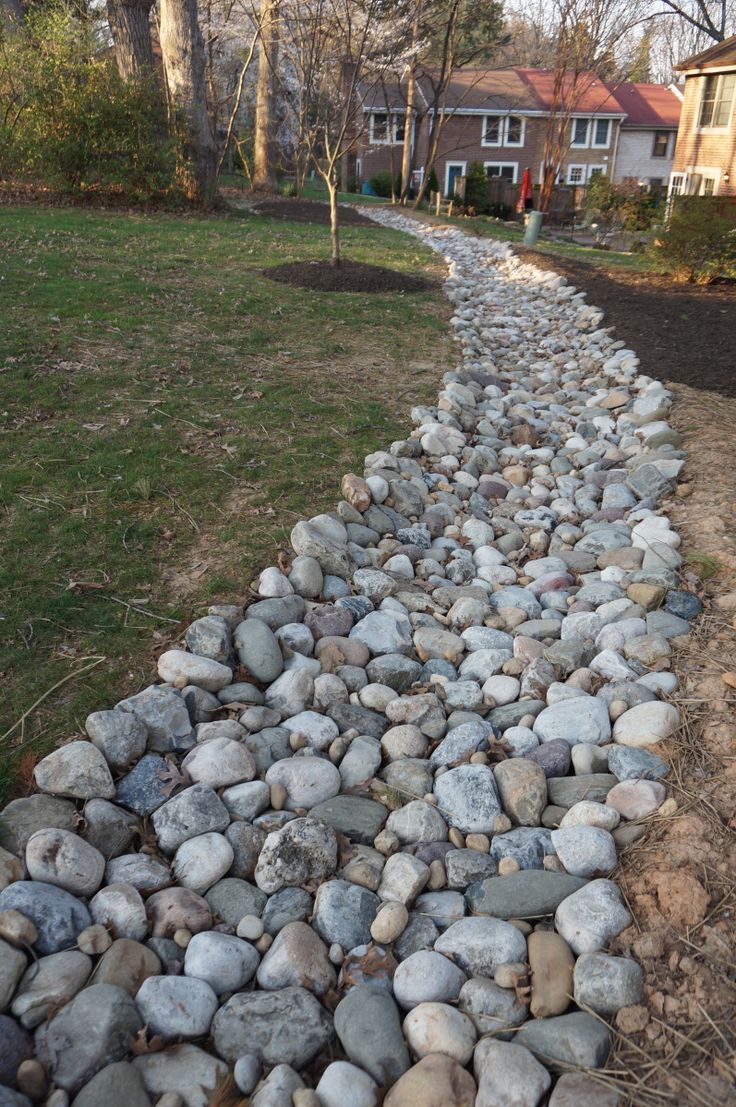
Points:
[(166, 413)]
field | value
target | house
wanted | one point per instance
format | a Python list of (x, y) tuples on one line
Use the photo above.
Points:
[(499, 118), (705, 154)]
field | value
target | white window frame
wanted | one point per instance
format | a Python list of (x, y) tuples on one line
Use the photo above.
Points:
[(573, 127), (603, 169), (503, 130), (462, 165), (504, 165), (706, 173), (679, 180), (389, 135), (583, 175), (592, 130), (709, 128)]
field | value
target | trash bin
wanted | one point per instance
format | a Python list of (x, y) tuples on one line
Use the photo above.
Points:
[(533, 227)]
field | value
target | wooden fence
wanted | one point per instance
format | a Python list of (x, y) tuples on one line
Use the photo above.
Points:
[(566, 206)]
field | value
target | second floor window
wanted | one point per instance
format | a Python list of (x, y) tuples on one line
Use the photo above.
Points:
[(386, 129), (661, 141), (579, 132), (503, 130), (715, 107)]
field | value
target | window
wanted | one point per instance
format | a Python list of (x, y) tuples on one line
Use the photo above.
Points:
[(575, 174), (601, 132), (661, 142), (596, 171), (514, 131), (379, 131), (505, 169), (503, 130), (492, 126), (677, 184), (715, 107), (579, 132), (656, 182), (709, 186)]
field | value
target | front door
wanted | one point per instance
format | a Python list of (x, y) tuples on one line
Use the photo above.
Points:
[(454, 170)]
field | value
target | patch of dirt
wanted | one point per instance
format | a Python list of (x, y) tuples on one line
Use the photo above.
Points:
[(308, 211), (348, 276), (683, 333)]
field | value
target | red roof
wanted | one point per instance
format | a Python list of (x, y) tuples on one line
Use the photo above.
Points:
[(649, 105), (594, 95)]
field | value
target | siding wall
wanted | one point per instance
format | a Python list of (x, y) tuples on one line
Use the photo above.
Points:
[(700, 150), (634, 156), (462, 143)]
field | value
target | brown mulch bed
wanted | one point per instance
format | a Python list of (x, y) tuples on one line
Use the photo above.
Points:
[(348, 276), (682, 333), (309, 211)]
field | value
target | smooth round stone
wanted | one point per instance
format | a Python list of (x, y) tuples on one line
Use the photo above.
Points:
[(66, 860), (589, 813), (200, 862), (247, 1073), (247, 800), (48, 982), (177, 1006), (585, 850), (219, 762), (57, 915), (196, 810), (224, 962), (118, 735), (417, 822), (435, 1081), (439, 1028), (645, 724), (272, 583), (180, 668), (636, 799), (108, 828), (297, 957), (389, 923), (404, 741), (588, 759), (145, 873), (344, 913), (126, 964), (305, 577), (345, 1085), (77, 770), (425, 977), (521, 741), (174, 909), (480, 944), (582, 719), (120, 908), (553, 757), (307, 780), (230, 899), (493, 1010), (501, 690), (184, 1071), (258, 650)]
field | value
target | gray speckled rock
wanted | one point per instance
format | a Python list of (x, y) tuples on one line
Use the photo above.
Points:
[(285, 1027), (185, 1070), (479, 945), (582, 719), (92, 1031), (116, 1083), (119, 736), (590, 917), (367, 1024), (23, 817), (165, 716), (301, 851), (343, 913), (58, 916), (194, 811), (77, 770), (606, 984), (577, 1039), (468, 799), (177, 1006), (508, 1075), (357, 817)]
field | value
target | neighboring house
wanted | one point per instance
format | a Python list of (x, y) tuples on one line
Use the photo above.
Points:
[(499, 118), (705, 155), (646, 146)]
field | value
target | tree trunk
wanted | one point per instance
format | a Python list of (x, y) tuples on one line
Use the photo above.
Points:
[(331, 180), (183, 56), (265, 177), (408, 127), (131, 33)]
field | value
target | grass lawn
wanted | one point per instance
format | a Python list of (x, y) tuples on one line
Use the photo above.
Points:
[(166, 414)]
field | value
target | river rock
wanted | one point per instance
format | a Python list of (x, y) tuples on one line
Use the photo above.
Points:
[(180, 668), (522, 788), (367, 1024), (66, 860), (508, 1075), (23, 817), (435, 1081), (468, 799), (345, 1085), (297, 956), (303, 850), (119, 736), (284, 1027), (219, 762), (524, 895), (308, 781), (194, 811), (77, 770), (591, 916), (578, 1039), (606, 984), (185, 1070), (427, 977), (479, 945), (48, 984), (645, 724), (57, 915), (439, 1028), (176, 1006), (126, 964)]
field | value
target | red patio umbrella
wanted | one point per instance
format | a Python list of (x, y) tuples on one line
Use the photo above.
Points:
[(526, 192)]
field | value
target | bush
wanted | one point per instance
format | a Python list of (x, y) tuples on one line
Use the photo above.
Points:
[(699, 241), (433, 184), (72, 122), (381, 183), (619, 207), (476, 188)]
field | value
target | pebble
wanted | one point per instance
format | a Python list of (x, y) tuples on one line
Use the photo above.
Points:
[(427, 976), (345, 1085), (508, 1075), (605, 984), (590, 917), (367, 1024), (439, 1028), (437, 1080), (225, 963)]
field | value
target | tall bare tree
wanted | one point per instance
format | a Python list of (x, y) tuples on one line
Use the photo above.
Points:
[(182, 48), (131, 34), (265, 177)]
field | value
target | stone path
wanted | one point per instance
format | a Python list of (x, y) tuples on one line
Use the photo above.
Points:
[(375, 815)]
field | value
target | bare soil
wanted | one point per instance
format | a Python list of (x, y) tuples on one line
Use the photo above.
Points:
[(348, 276), (683, 333), (309, 211)]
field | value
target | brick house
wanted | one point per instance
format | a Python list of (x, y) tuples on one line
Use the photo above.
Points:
[(705, 155), (499, 118)]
